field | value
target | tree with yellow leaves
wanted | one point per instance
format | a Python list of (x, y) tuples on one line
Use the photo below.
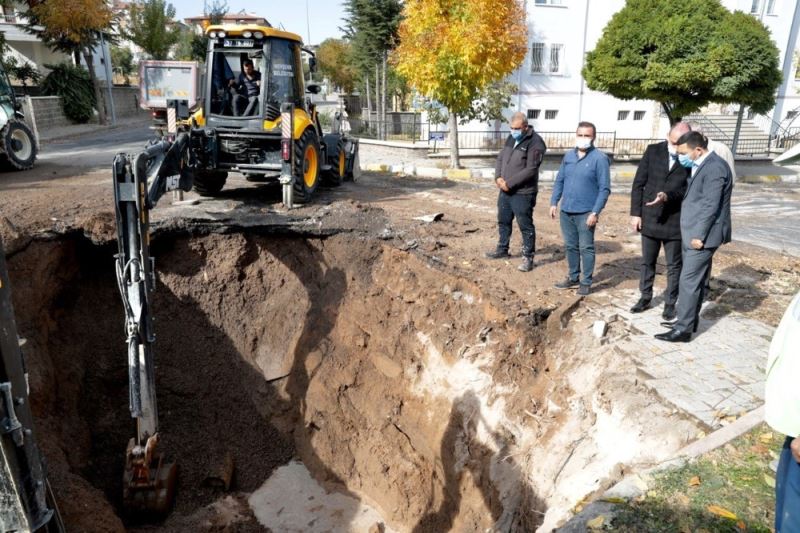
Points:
[(451, 50), (72, 26)]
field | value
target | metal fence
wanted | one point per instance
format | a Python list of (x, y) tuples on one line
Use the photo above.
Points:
[(478, 142)]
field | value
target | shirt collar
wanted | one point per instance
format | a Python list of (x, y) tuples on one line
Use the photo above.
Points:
[(699, 160)]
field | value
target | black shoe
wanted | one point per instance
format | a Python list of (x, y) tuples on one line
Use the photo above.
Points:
[(498, 254), (567, 284), (674, 335), (526, 265), (583, 290), (642, 305), (669, 312)]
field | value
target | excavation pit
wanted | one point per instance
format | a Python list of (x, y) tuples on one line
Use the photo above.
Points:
[(322, 368)]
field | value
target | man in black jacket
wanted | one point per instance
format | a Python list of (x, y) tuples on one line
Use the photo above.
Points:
[(517, 177), (659, 170)]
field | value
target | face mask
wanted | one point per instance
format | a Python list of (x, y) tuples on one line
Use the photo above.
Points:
[(517, 134), (673, 151), (684, 160), (582, 143)]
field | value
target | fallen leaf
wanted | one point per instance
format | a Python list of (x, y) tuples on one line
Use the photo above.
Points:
[(700, 435), (769, 480), (721, 511), (695, 481), (615, 500), (766, 437), (596, 523), (741, 525)]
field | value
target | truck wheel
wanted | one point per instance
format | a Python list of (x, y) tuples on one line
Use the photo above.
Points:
[(307, 178), (18, 146), (338, 163), (209, 182)]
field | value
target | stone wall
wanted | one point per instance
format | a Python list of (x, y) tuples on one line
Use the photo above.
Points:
[(49, 112)]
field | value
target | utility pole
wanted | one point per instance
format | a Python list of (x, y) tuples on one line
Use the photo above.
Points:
[(308, 25)]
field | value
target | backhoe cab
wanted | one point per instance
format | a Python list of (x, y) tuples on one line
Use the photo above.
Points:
[(252, 74)]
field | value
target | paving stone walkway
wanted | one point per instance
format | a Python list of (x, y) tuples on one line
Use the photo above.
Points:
[(716, 376)]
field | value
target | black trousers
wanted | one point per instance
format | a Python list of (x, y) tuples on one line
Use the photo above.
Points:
[(519, 206), (672, 251)]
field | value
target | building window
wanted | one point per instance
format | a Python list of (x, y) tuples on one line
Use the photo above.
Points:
[(549, 59), (556, 59), (791, 114), (548, 2), (533, 114), (622, 115), (537, 58), (755, 7), (550, 114), (638, 115), (771, 7)]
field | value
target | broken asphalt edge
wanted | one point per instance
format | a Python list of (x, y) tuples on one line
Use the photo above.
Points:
[(485, 174), (636, 484)]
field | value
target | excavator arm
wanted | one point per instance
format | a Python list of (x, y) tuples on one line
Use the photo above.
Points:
[(26, 503), (139, 182)]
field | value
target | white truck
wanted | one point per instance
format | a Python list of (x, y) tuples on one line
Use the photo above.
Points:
[(160, 81)]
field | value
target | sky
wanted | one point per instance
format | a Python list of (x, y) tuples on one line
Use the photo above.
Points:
[(325, 16)]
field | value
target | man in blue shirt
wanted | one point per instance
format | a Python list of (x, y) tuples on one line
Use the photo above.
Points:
[(582, 186)]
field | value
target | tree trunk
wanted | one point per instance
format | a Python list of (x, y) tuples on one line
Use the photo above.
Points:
[(668, 112), (383, 99), (378, 100), (453, 133), (98, 94), (369, 100)]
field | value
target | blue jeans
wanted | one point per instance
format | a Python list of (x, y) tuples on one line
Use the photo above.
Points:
[(787, 492), (579, 244), (519, 206)]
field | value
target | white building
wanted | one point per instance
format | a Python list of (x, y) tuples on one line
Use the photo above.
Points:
[(25, 47), (560, 32)]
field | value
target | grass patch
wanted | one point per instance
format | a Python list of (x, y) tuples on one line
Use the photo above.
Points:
[(735, 479)]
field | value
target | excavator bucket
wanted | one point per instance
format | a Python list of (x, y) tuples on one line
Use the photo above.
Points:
[(148, 482)]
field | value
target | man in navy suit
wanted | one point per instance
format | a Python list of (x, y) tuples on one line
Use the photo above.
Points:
[(660, 226), (705, 226)]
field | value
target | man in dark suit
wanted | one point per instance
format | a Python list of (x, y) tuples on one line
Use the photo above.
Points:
[(660, 225), (705, 226)]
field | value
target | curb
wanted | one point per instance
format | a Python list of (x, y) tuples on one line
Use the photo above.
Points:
[(634, 485)]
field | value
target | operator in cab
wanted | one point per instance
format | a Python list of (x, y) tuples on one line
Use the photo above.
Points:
[(247, 87)]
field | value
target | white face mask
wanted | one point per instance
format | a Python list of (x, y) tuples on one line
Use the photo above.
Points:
[(582, 143)]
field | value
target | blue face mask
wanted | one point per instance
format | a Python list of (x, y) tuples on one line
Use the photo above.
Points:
[(517, 134), (684, 160)]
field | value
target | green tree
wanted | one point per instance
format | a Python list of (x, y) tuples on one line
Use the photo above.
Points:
[(335, 61), (453, 51), (372, 26), (685, 54), (153, 27), (192, 46), (122, 62), (75, 27)]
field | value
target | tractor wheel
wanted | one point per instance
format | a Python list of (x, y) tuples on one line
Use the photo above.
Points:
[(209, 182), (338, 163), (18, 146), (307, 178)]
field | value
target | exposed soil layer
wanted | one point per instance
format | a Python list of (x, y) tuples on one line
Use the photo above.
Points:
[(362, 337)]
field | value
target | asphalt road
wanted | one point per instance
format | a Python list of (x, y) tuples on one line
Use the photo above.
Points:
[(93, 151), (763, 214)]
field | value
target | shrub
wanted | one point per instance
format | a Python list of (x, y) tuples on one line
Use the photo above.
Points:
[(73, 85)]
